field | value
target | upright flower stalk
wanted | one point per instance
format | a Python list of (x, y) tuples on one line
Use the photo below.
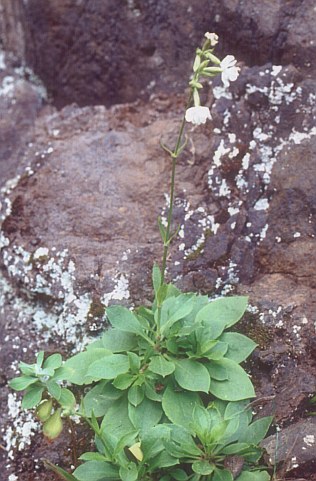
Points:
[(206, 64)]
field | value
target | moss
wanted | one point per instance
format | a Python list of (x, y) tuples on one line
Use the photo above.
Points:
[(252, 327), (96, 311)]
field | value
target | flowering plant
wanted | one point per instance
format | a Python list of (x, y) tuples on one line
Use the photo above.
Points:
[(167, 398)]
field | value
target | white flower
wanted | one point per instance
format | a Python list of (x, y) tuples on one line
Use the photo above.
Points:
[(197, 115), (212, 37), (229, 70)]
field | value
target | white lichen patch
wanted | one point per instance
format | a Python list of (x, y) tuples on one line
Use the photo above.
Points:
[(309, 439), (120, 291), (22, 427)]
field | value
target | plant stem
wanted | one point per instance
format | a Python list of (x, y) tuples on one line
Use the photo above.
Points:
[(174, 157)]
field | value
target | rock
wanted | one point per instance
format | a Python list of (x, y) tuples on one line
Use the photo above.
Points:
[(294, 446), (82, 50)]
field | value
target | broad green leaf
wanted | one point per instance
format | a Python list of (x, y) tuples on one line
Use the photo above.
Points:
[(100, 398), (134, 362), (135, 395), (175, 308), (153, 440), (256, 431), (62, 474), (218, 351), (239, 346), (92, 457), (129, 472), (222, 313), (32, 397), (118, 341), (161, 366), (201, 420), (192, 375), (178, 406), (76, 368), (54, 389), (116, 419), (123, 381), (218, 431), (222, 475), (96, 471), (152, 393), (217, 371), (238, 385), (109, 367), (203, 467), (53, 362), (254, 476), (235, 448), (27, 369), (146, 415), (156, 278), (235, 408), (181, 444), (22, 382), (178, 474), (124, 320), (67, 400)]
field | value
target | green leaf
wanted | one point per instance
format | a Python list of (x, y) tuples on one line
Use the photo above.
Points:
[(182, 444), (32, 397), (116, 419), (76, 368), (40, 358), (217, 371), (254, 476), (160, 365), (135, 395), (22, 382), (96, 471), (162, 230), (218, 351), (129, 472), (178, 406), (239, 346), (203, 467), (67, 400), (146, 415), (156, 278), (92, 457), (222, 313), (201, 420), (124, 320), (109, 367), (27, 369), (222, 475), (192, 375), (178, 474), (54, 389), (59, 471), (100, 399), (175, 308), (238, 385), (118, 341), (235, 448), (256, 431), (123, 381), (134, 362), (53, 362)]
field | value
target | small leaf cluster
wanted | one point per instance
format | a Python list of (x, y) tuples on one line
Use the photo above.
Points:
[(167, 397), (41, 383)]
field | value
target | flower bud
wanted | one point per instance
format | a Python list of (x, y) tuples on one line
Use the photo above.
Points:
[(53, 426), (44, 409)]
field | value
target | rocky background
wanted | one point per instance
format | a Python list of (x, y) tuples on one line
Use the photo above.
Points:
[(87, 90)]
